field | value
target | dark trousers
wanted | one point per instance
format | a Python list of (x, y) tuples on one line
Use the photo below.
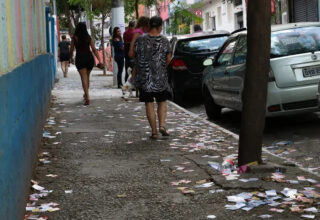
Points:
[(120, 64)]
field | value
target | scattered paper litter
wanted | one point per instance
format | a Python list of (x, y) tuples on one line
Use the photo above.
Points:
[(37, 187), (46, 134), (277, 210), (231, 177), (236, 206), (236, 199), (271, 192), (289, 192), (186, 190), (46, 207), (216, 191), (211, 216), (177, 183), (249, 180), (312, 209), (301, 178), (204, 185), (122, 196), (247, 208), (68, 191), (312, 181), (51, 175), (214, 165), (308, 216), (265, 216)]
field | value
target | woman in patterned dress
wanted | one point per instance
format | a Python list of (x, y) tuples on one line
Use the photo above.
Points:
[(153, 54)]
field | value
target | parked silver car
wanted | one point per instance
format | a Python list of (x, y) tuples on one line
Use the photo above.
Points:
[(318, 94), (293, 77)]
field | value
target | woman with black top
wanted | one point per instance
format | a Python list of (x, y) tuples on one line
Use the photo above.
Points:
[(118, 53), (82, 41), (64, 54)]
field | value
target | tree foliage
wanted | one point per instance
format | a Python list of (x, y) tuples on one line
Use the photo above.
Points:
[(131, 7), (182, 17)]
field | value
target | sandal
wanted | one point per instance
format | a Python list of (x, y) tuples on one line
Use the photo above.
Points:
[(154, 136), (163, 131), (87, 102)]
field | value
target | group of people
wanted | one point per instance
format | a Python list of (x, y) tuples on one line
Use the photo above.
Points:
[(124, 48), (143, 49)]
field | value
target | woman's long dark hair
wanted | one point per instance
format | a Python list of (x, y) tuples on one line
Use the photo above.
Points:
[(114, 34), (82, 33)]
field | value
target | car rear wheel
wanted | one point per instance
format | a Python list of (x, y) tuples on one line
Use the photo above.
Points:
[(212, 109)]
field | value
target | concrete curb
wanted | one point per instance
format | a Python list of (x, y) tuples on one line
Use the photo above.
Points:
[(237, 136)]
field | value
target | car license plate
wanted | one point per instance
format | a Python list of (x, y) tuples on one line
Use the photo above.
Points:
[(311, 71)]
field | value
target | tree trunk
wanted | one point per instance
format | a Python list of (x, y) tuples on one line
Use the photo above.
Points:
[(70, 27), (91, 24), (277, 12), (75, 18), (256, 82), (136, 7), (103, 17)]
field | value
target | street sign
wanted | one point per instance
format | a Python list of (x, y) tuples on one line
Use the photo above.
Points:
[(198, 12)]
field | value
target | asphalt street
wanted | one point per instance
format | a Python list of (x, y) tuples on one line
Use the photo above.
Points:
[(300, 131)]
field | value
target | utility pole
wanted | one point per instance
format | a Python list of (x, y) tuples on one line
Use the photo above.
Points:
[(55, 30), (54, 7), (244, 13), (117, 20), (254, 95)]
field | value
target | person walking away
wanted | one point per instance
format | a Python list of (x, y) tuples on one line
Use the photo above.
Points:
[(152, 57), (64, 54), (197, 28), (82, 41), (127, 38), (141, 28), (118, 45)]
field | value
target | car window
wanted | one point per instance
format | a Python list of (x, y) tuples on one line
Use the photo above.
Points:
[(172, 45), (295, 41), (210, 44), (226, 55), (240, 55)]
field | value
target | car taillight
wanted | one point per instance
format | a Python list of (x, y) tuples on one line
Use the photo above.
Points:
[(178, 65), (271, 76), (274, 108)]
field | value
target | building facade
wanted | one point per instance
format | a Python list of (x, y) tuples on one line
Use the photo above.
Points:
[(231, 14), (226, 15), (27, 67), (304, 10), (164, 13)]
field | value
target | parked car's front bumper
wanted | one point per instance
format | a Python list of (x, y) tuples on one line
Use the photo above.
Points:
[(292, 100)]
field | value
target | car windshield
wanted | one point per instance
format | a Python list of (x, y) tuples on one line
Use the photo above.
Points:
[(295, 41), (202, 45)]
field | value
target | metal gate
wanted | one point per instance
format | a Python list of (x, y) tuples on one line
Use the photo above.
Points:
[(305, 10)]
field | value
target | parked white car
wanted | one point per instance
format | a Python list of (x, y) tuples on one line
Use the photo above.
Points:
[(318, 94), (293, 78)]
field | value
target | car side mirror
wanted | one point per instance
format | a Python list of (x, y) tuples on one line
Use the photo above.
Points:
[(208, 62)]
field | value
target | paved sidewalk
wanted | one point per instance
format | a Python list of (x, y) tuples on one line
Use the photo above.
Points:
[(107, 168)]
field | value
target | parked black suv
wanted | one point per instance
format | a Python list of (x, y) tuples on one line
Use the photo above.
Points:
[(188, 53)]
